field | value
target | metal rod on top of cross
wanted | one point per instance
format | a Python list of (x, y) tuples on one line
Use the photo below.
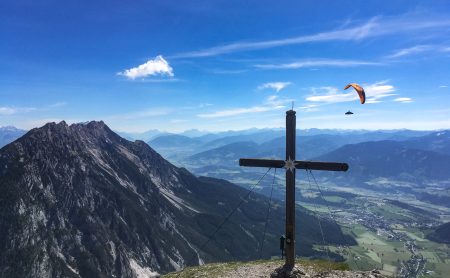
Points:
[(290, 164)]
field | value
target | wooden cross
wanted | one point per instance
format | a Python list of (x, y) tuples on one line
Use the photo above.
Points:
[(290, 164)]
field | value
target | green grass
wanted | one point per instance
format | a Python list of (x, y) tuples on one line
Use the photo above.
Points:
[(216, 270)]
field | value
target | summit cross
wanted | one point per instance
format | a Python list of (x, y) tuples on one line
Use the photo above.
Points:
[(290, 164)]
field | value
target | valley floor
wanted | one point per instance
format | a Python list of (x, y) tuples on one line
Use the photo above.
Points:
[(390, 238)]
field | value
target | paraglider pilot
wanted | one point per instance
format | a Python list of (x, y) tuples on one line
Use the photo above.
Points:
[(282, 242)]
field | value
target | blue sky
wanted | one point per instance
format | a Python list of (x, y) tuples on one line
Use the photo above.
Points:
[(225, 65)]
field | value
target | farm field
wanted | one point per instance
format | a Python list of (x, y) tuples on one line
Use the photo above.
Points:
[(390, 238)]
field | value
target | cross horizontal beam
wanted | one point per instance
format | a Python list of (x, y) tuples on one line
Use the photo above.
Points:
[(299, 164)]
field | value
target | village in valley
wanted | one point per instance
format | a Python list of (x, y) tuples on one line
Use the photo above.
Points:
[(390, 237)]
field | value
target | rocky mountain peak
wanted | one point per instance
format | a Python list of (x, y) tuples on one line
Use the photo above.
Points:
[(80, 201), (87, 129)]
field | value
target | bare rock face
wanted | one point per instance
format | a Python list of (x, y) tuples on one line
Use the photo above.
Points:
[(80, 201)]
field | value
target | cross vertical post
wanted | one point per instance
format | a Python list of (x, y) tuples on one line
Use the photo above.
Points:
[(290, 190), (290, 164)]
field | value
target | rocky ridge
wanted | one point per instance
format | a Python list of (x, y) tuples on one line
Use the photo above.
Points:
[(80, 201)]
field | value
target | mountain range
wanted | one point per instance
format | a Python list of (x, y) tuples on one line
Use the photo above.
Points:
[(79, 200), (9, 134), (391, 159), (401, 161)]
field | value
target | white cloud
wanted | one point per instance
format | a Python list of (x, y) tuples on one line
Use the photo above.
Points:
[(403, 99), (377, 91), (309, 108), (410, 51), (270, 104), (58, 104), (318, 63), (157, 66), (418, 49), (344, 34), (6, 111), (274, 100), (239, 111), (330, 95), (374, 27), (277, 86), (177, 121), (374, 92), (146, 113), (443, 86), (228, 71)]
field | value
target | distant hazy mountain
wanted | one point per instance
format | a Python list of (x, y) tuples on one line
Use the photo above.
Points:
[(9, 134), (310, 143), (257, 137), (174, 141), (79, 200), (144, 136), (436, 141), (193, 133), (441, 234), (226, 155), (391, 159), (175, 147)]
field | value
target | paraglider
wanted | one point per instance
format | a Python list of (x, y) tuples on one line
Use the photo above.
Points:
[(361, 94), (359, 90)]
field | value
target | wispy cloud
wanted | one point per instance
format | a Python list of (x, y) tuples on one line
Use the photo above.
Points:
[(443, 86), (11, 110), (410, 51), (403, 100), (58, 104), (228, 71), (177, 121), (344, 34), (145, 113), (159, 80), (309, 108), (330, 95), (14, 110), (377, 91), (157, 66), (7, 111), (239, 111), (271, 103), (374, 93), (374, 27), (416, 50), (318, 63), (277, 86)]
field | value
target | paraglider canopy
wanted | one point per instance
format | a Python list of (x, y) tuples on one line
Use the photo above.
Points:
[(359, 90)]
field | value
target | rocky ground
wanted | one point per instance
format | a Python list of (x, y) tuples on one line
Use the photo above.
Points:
[(260, 269)]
